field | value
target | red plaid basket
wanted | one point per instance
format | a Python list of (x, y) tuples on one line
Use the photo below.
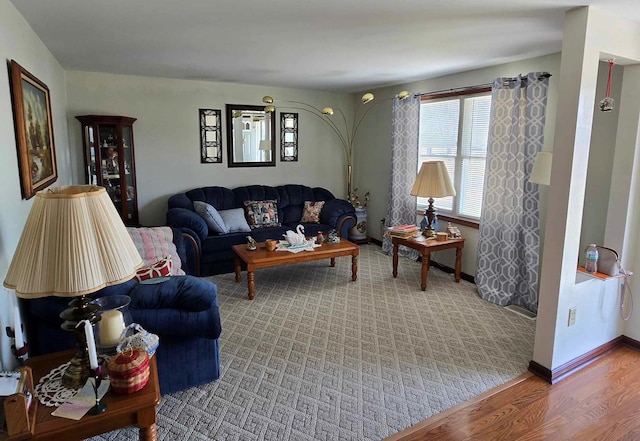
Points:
[(129, 371)]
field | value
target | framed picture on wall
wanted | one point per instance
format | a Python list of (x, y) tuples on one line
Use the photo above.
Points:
[(34, 131)]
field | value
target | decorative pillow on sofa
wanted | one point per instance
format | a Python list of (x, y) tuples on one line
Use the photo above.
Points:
[(234, 220), (211, 217), (153, 244), (311, 212), (161, 268), (262, 214)]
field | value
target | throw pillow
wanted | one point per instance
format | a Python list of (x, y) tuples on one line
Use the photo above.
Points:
[(311, 212), (234, 220), (262, 214), (161, 268), (211, 217)]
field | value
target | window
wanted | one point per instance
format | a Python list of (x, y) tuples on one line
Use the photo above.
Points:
[(455, 129)]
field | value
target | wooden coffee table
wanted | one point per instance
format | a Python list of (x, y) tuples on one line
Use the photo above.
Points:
[(426, 247), (261, 258), (137, 409)]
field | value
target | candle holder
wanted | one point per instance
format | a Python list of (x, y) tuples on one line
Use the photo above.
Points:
[(99, 407), (19, 353)]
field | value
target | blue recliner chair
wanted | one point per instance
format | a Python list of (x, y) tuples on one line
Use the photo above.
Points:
[(182, 311)]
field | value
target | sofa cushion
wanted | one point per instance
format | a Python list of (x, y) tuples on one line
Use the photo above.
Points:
[(155, 243), (211, 217), (262, 214), (234, 220), (311, 212)]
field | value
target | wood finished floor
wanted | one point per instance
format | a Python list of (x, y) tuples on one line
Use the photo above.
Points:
[(599, 402)]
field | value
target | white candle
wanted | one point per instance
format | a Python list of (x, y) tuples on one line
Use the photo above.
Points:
[(17, 323), (91, 344), (111, 327)]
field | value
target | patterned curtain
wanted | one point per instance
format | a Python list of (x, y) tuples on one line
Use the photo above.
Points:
[(401, 206), (509, 239)]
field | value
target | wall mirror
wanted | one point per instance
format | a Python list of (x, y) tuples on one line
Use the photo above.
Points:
[(250, 136), (210, 140), (288, 137)]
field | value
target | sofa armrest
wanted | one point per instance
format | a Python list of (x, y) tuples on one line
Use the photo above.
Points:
[(192, 246), (183, 218), (185, 293), (339, 214)]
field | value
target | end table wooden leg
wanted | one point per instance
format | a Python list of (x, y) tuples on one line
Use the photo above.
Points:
[(251, 284), (149, 433), (424, 271), (354, 268), (458, 264), (333, 261), (395, 259), (237, 267)]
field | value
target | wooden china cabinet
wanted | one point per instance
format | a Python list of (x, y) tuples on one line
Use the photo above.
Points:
[(110, 162)]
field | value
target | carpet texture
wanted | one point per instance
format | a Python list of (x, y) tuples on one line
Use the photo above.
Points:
[(318, 357)]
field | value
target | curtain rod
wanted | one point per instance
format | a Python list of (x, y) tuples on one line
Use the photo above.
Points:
[(477, 86)]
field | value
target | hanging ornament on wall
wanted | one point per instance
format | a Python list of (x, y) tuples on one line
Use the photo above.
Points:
[(606, 105)]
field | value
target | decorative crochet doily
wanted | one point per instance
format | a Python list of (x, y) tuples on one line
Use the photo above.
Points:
[(50, 390)]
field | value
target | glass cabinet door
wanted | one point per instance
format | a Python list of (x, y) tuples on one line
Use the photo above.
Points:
[(108, 143)]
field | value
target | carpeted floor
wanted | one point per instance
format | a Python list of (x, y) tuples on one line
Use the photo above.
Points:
[(318, 357)]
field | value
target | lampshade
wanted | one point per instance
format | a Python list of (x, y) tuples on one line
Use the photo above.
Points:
[(73, 243), (541, 173), (265, 145), (433, 181)]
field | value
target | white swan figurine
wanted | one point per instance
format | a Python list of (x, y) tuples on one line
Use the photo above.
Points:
[(296, 238)]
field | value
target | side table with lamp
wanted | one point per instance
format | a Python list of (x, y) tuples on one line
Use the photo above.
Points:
[(74, 244)]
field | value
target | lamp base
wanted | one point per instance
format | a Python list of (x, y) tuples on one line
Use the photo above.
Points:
[(427, 223), (80, 309)]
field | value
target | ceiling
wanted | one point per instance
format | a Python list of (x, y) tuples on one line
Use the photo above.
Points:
[(336, 45)]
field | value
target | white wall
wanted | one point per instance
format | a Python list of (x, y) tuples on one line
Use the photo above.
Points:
[(588, 38), (20, 43), (372, 167), (167, 135)]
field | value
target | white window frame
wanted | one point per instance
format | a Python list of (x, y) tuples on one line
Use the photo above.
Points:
[(460, 95)]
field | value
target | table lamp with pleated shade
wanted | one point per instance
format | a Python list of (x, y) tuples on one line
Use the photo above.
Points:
[(431, 182), (73, 244)]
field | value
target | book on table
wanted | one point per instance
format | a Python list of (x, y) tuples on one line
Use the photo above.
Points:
[(403, 231)]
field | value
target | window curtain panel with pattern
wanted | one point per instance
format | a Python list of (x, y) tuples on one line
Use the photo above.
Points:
[(509, 238), (401, 206)]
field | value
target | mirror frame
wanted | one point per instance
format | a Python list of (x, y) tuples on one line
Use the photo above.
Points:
[(231, 162)]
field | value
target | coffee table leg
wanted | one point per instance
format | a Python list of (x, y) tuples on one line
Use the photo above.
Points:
[(333, 261), (354, 268), (424, 271), (236, 266), (395, 259), (251, 284)]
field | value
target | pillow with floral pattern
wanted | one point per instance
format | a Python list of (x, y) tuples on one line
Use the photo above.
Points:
[(311, 212)]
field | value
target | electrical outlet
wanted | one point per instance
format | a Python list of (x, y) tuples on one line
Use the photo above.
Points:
[(572, 316)]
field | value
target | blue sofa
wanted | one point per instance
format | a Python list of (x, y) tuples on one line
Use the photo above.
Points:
[(183, 311), (216, 255)]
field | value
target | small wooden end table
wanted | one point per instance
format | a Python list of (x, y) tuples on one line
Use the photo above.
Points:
[(137, 409), (426, 247), (262, 258)]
